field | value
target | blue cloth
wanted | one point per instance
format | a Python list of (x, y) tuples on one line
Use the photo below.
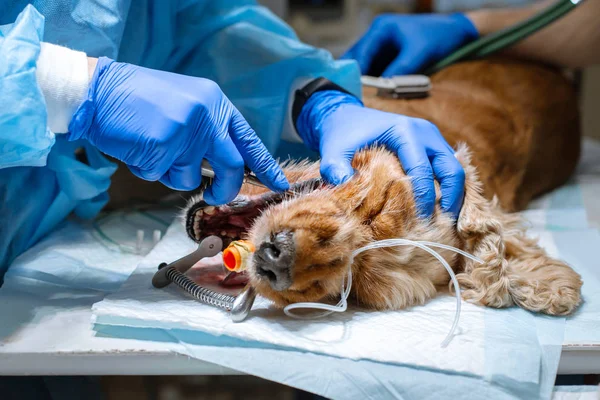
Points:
[(255, 58), (24, 141)]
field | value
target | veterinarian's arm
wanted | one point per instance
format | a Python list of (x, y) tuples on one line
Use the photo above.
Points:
[(271, 63), (573, 41)]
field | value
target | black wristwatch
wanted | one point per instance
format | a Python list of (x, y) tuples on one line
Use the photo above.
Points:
[(302, 95)]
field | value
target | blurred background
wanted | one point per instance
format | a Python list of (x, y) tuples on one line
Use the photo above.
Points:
[(336, 24)]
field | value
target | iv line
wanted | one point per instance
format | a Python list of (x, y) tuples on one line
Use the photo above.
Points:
[(342, 305)]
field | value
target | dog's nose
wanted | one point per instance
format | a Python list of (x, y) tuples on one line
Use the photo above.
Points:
[(274, 260)]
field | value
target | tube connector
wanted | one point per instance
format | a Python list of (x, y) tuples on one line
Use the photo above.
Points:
[(237, 255)]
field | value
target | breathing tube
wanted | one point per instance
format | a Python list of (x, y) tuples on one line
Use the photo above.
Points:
[(342, 305), (502, 39)]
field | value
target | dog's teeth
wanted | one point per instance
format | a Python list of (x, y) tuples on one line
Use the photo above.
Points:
[(210, 210), (223, 233), (199, 213)]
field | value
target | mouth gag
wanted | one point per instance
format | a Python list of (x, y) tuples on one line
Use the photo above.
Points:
[(239, 306), (237, 254)]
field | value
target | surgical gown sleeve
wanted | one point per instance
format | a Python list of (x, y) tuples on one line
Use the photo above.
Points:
[(24, 138), (252, 54), (41, 179)]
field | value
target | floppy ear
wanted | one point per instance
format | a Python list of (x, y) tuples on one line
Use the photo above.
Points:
[(516, 270)]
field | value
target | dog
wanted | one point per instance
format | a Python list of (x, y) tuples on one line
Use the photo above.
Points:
[(515, 128)]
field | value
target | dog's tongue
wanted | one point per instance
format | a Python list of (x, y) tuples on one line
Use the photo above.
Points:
[(235, 279), (210, 273)]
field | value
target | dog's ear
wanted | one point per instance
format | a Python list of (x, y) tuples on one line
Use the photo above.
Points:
[(516, 270)]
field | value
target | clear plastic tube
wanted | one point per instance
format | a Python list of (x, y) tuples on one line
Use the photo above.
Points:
[(342, 305)]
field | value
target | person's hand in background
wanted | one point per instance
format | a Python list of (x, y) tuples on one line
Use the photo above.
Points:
[(162, 125), (338, 125), (405, 44)]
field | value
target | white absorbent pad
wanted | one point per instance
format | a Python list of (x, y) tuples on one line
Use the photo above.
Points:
[(576, 393), (510, 350), (496, 354)]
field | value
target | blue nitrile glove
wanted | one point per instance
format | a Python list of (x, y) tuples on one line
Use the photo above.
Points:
[(337, 125), (162, 125), (405, 44)]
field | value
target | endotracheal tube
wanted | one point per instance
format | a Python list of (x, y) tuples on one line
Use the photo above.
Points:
[(342, 305)]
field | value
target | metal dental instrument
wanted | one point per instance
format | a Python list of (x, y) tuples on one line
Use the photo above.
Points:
[(239, 306), (249, 177)]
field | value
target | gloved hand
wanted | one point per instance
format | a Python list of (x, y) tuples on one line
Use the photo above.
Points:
[(337, 125), (405, 44), (162, 125)]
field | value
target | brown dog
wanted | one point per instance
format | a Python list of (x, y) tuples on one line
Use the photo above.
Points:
[(515, 126)]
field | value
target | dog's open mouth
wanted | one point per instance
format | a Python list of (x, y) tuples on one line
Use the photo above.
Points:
[(233, 220)]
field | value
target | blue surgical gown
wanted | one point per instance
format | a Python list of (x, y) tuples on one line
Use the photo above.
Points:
[(254, 56)]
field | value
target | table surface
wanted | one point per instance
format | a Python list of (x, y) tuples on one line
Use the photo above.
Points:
[(43, 346), (56, 337)]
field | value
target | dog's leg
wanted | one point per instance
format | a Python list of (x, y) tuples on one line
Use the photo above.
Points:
[(538, 282), (516, 269)]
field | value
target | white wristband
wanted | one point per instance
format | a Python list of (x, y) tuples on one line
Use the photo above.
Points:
[(62, 75)]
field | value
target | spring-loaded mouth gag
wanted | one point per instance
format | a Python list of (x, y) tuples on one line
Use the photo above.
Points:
[(238, 306), (215, 228)]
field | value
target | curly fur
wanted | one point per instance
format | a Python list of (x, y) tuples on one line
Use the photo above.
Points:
[(520, 122), (378, 204)]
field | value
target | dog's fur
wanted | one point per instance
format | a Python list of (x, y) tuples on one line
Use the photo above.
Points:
[(520, 127), (328, 224), (515, 126)]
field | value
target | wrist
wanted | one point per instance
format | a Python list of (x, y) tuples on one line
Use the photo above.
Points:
[(469, 27), (307, 92), (479, 19), (82, 118), (315, 112), (488, 21), (62, 75), (92, 63)]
